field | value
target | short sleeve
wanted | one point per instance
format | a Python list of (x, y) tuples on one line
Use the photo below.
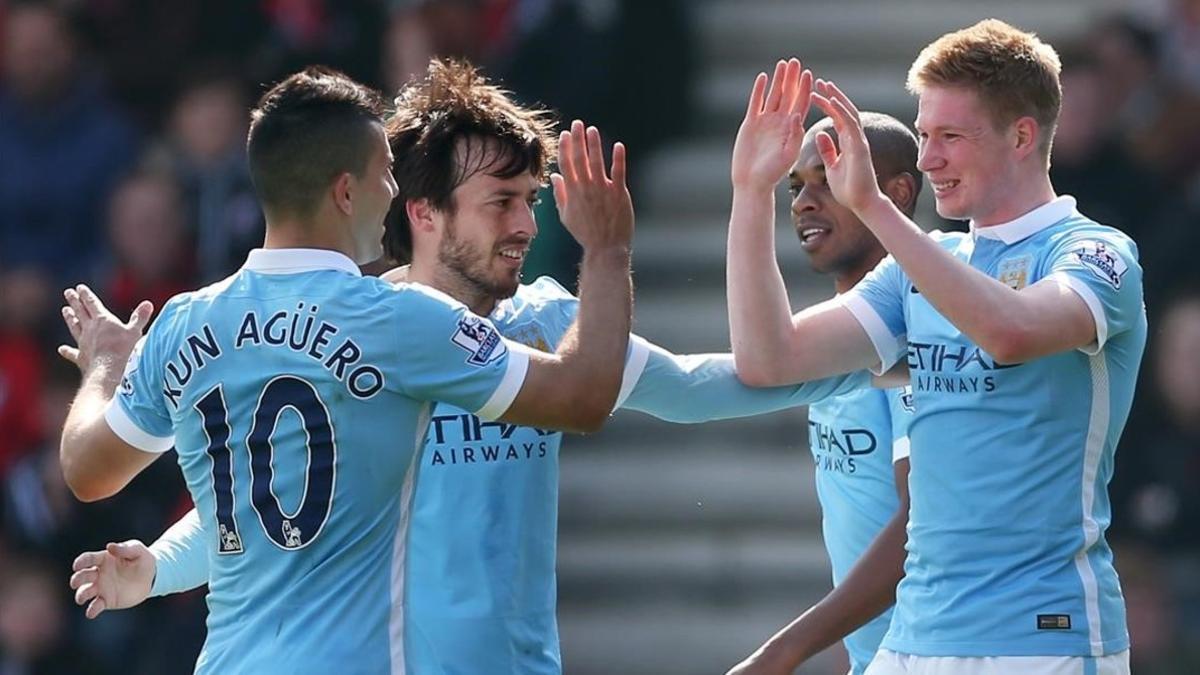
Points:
[(902, 406), (451, 355), (138, 413), (1101, 267), (556, 309), (877, 302)]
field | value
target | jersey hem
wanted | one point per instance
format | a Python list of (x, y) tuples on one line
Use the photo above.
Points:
[(887, 346), (635, 365), (1005, 648), (1093, 304), (510, 385), (128, 430)]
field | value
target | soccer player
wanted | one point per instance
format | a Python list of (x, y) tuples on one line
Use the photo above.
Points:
[(1023, 340), (859, 440), (481, 524), (296, 391)]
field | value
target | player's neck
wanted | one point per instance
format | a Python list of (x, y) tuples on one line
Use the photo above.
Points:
[(845, 280), (289, 234), (1018, 201), (447, 281)]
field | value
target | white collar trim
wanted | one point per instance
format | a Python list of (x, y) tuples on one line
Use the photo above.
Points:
[(296, 260), (1029, 224)]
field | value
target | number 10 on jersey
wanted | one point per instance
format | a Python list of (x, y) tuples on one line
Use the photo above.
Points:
[(289, 531)]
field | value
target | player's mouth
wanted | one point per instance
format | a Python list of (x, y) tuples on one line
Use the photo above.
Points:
[(812, 236), (941, 188), (513, 255)]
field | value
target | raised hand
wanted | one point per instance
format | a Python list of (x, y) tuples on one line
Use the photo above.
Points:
[(594, 207), (118, 577), (768, 142), (849, 170), (99, 335)]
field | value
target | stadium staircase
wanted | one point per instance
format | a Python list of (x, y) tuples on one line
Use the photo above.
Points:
[(682, 548)]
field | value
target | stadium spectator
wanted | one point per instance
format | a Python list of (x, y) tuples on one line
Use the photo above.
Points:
[(154, 259), (62, 146), (33, 635), (207, 143)]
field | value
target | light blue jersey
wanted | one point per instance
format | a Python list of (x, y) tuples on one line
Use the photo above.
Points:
[(855, 439), (295, 394), (1011, 463), (482, 535)]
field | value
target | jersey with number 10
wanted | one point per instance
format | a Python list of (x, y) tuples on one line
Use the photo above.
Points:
[(1011, 461), (296, 394)]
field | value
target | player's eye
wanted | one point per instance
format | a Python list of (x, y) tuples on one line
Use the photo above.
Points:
[(794, 190)]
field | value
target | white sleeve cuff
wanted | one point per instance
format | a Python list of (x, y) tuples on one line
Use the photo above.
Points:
[(639, 353), (1094, 306), (129, 431), (900, 449), (887, 346), (510, 385)]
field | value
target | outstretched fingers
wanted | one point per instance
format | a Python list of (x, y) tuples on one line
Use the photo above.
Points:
[(595, 154), (775, 95), (757, 95), (578, 151), (618, 164)]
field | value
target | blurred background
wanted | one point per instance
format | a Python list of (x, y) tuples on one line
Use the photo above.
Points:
[(122, 125)]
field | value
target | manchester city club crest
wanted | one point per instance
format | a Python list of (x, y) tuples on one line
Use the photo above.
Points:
[(1014, 272)]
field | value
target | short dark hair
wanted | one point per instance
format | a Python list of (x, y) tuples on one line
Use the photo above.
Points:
[(893, 147), (455, 104), (306, 130)]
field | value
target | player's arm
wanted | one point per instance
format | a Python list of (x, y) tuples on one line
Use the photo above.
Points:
[(576, 388), (96, 462), (868, 590), (770, 345), (695, 388), (123, 575), (1013, 326)]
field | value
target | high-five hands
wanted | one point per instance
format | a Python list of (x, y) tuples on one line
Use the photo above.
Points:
[(593, 205), (768, 142), (848, 169)]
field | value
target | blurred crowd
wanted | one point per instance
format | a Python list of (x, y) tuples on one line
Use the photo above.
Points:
[(122, 165)]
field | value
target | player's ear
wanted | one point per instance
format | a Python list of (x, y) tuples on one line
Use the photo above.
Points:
[(1025, 136), (343, 193), (902, 190), (420, 214)]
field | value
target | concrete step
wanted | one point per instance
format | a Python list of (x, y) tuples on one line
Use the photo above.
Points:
[(715, 489), (680, 638), (740, 563)]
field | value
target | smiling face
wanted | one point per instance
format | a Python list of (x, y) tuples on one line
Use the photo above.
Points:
[(969, 162), (487, 232), (835, 240)]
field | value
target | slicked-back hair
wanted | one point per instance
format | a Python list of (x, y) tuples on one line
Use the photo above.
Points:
[(305, 131), (1014, 73), (893, 149), (449, 126)]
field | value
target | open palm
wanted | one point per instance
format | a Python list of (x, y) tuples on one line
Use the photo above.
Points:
[(848, 168), (768, 142)]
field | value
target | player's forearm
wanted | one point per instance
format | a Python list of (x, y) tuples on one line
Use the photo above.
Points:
[(181, 560), (694, 388), (595, 348), (993, 315), (759, 311), (81, 454), (868, 590)]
